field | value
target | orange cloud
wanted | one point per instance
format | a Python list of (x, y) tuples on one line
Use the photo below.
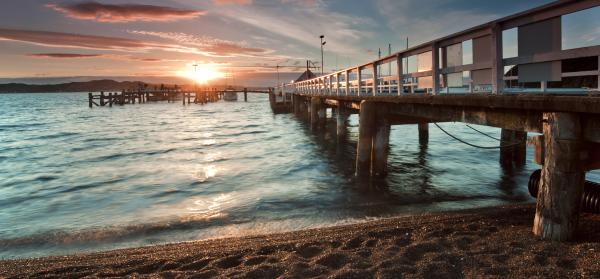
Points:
[(124, 13), (207, 45), (63, 55)]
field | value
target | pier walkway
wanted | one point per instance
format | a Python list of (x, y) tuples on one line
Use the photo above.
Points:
[(532, 92)]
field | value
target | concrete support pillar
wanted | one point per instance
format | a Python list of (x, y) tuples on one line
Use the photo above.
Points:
[(563, 176), (423, 133), (342, 121), (366, 130), (513, 155), (315, 110), (373, 140)]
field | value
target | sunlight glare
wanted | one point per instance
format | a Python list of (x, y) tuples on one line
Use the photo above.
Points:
[(202, 74)]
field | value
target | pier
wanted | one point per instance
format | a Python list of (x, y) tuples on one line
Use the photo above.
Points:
[(564, 121), (202, 96)]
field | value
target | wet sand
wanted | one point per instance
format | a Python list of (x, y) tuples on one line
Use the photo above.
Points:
[(489, 242)]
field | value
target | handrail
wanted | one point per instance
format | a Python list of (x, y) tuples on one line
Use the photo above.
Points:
[(496, 63)]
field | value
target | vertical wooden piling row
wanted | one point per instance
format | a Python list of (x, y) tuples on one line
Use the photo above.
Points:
[(366, 130), (511, 154), (563, 175), (423, 133)]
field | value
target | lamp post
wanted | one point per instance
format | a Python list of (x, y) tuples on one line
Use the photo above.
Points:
[(322, 44), (195, 77)]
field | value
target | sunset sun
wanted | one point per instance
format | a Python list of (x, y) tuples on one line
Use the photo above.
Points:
[(201, 73)]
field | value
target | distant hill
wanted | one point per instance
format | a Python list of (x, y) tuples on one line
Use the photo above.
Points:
[(94, 85)]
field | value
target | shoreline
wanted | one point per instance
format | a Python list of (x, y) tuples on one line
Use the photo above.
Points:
[(490, 242)]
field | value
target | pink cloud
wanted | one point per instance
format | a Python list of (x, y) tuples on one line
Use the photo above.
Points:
[(124, 13), (69, 40)]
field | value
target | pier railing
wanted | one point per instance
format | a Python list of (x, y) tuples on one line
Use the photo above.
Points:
[(436, 67)]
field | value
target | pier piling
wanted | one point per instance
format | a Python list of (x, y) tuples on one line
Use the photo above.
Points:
[(563, 177), (315, 108), (511, 152), (423, 133), (381, 144), (367, 115), (342, 121)]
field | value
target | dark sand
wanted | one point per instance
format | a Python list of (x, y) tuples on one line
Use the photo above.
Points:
[(490, 242)]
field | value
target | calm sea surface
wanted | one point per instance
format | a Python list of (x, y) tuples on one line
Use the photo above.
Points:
[(76, 179)]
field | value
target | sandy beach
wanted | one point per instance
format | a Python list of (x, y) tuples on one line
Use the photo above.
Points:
[(489, 242)]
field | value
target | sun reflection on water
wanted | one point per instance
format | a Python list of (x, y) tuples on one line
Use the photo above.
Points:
[(212, 206), (206, 172)]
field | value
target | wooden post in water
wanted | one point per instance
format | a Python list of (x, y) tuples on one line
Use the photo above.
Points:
[(563, 176), (423, 133), (189, 96), (245, 94), (122, 102), (110, 99), (366, 131), (511, 155), (90, 99), (101, 98)]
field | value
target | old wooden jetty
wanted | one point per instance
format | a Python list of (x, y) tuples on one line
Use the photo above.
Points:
[(201, 96), (564, 119)]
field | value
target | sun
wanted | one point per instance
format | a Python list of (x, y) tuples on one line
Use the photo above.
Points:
[(201, 73)]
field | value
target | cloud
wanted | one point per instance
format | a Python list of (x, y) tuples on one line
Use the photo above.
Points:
[(103, 56), (207, 45), (343, 32), (63, 55), (408, 18), (123, 13), (69, 40), (230, 2)]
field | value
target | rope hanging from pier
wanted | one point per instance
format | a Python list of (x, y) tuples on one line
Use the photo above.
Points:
[(478, 146), (483, 133)]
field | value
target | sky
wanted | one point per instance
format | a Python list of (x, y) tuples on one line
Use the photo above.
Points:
[(58, 38)]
